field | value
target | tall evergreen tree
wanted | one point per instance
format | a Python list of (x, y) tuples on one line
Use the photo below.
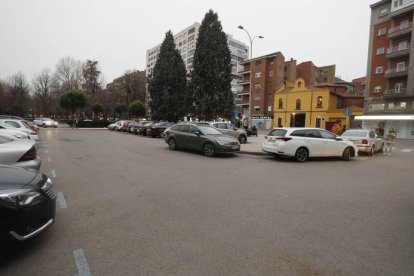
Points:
[(167, 83), (210, 85)]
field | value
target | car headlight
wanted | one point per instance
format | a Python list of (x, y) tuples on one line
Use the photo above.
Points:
[(223, 143), (19, 198), (20, 136)]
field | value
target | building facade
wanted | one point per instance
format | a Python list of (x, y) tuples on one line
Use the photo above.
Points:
[(390, 68), (264, 75), (185, 42), (296, 105)]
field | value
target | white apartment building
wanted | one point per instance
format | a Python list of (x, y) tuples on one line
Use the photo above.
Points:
[(185, 42)]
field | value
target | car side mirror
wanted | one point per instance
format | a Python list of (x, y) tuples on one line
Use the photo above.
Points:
[(198, 133), (337, 138)]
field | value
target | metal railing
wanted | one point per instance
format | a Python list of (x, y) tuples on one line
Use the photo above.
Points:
[(400, 27), (397, 70), (397, 91), (397, 49)]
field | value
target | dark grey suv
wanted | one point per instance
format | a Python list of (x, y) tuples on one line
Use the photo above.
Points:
[(200, 137)]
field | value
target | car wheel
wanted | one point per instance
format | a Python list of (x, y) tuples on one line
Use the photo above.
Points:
[(209, 150), (242, 139), (44, 125), (172, 144), (302, 154), (346, 155), (55, 126), (371, 151)]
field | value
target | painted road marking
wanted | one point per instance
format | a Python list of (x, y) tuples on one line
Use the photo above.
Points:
[(46, 151), (49, 159), (61, 200), (53, 173), (81, 263), (406, 150)]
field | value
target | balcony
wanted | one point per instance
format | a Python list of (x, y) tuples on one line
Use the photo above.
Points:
[(397, 72), (242, 93), (244, 72), (398, 51), (244, 82), (395, 93), (399, 30)]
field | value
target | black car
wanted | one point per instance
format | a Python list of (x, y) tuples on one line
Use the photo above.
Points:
[(157, 129), (204, 138), (27, 204)]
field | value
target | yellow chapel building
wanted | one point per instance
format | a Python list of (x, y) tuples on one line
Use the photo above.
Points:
[(296, 105)]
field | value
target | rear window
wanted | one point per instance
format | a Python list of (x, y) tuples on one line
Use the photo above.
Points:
[(278, 132), (355, 133), (301, 133)]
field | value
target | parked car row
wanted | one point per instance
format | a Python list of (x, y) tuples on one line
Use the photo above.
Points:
[(27, 199)]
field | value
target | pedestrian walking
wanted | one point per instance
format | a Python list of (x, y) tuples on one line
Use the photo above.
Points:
[(245, 124), (389, 141)]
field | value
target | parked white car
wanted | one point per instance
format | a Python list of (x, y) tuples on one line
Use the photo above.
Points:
[(19, 125), (13, 133), (45, 122), (302, 143), (366, 140), (19, 153)]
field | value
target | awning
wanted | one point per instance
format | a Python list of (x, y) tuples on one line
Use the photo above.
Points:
[(386, 117)]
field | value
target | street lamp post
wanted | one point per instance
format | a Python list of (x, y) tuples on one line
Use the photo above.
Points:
[(251, 67)]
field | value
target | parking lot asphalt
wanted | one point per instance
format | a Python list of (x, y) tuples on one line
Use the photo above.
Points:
[(130, 206)]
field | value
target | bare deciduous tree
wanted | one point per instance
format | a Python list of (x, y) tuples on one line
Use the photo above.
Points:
[(18, 94), (69, 74), (43, 84)]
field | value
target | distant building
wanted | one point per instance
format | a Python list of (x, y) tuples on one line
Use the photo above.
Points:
[(296, 105), (360, 85), (185, 42), (390, 68), (268, 73)]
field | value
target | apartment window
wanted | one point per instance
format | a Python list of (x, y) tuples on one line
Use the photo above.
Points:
[(280, 103), (269, 108), (380, 51), (402, 46), (377, 89), (257, 86), (382, 31), (258, 62), (400, 66), (257, 97), (257, 108), (376, 106), (258, 74), (270, 73), (404, 24), (398, 87), (383, 12), (397, 106), (379, 70), (298, 103), (319, 102), (398, 3)]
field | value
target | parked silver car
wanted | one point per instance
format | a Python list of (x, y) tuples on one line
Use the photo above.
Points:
[(229, 129), (366, 140), (19, 125), (19, 153)]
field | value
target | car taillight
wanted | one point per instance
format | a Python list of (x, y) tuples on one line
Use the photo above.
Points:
[(364, 141), (29, 155), (284, 138)]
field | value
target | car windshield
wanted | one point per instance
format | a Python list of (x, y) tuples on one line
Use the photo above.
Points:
[(355, 133), (208, 130), (47, 119)]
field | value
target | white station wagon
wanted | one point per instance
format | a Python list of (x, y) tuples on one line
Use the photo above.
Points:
[(302, 143)]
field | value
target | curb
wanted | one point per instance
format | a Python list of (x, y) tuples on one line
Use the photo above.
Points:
[(253, 153)]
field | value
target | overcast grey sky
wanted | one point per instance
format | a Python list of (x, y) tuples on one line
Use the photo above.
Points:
[(35, 34)]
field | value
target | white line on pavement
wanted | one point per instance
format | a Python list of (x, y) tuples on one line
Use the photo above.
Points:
[(81, 263), (61, 200), (53, 173), (46, 151), (406, 150), (49, 159)]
